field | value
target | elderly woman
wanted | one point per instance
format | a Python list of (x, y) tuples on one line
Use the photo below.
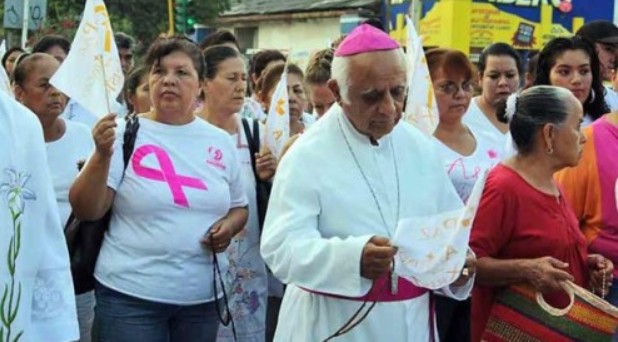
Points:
[(572, 63), (499, 70), (466, 153), (297, 98), (525, 231), (68, 143), (317, 74), (224, 90), (175, 208)]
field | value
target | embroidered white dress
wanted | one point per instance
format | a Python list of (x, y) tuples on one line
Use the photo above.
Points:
[(34, 262), (322, 213), (246, 275)]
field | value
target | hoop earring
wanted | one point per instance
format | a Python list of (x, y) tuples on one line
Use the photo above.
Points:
[(549, 150)]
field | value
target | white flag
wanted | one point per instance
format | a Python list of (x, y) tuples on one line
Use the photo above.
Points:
[(5, 83), (421, 108), (2, 49), (278, 121), (91, 74), (432, 249)]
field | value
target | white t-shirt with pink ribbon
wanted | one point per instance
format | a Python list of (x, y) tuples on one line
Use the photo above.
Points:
[(180, 180)]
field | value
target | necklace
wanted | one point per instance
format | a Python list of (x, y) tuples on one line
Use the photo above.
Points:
[(394, 278)]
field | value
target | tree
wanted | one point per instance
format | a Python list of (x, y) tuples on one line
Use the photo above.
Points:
[(143, 19)]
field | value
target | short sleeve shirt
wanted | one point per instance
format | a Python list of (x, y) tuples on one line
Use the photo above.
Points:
[(180, 180)]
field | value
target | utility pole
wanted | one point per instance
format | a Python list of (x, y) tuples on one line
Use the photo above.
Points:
[(25, 21), (170, 17), (387, 15)]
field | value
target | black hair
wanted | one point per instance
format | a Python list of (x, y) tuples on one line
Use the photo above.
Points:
[(218, 38), (595, 105), (124, 41), (215, 55), (260, 61), (9, 52), (165, 46), (535, 107), (499, 49), (532, 65), (49, 41), (133, 81), (375, 22)]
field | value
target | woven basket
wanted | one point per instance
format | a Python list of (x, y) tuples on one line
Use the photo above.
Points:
[(519, 313)]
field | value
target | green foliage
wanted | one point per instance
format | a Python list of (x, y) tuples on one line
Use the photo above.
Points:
[(143, 19)]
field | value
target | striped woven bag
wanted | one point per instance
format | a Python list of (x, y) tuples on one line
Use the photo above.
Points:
[(521, 314)]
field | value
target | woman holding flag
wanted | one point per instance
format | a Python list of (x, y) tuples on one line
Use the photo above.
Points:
[(158, 272), (224, 90)]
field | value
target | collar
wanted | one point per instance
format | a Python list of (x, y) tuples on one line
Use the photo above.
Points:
[(353, 133)]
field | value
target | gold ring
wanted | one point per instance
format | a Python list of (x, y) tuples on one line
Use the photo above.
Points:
[(465, 272)]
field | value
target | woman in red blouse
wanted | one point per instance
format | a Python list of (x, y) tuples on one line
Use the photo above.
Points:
[(524, 230)]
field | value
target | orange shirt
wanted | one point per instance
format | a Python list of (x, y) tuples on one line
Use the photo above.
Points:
[(590, 189)]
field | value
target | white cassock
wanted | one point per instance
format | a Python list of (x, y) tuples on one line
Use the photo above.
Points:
[(45, 310), (322, 213)]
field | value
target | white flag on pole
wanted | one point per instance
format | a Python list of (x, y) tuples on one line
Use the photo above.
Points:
[(2, 49), (91, 74), (278, 121), (421, 108), (432, 249), (5, 83)]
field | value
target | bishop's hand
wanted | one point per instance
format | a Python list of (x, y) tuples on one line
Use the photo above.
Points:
[(377, 257)]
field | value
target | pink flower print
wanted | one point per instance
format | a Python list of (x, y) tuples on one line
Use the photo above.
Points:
[(492, 154)]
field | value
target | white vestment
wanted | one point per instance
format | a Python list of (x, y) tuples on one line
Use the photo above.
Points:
[(34, 262), (322, 213)]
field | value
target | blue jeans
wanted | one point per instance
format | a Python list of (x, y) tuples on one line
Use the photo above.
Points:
[(123, 318)]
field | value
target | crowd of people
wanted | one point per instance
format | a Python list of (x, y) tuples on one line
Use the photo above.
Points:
[(187, 255)]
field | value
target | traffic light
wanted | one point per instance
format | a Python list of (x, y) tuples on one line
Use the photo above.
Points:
[(190, 17), (180, 16)]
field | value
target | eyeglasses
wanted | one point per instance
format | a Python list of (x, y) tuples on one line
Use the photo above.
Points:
[(451, 88)]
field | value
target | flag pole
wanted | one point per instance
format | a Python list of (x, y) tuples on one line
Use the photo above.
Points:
[(109, 110)]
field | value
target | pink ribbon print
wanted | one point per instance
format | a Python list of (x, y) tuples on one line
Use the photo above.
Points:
[(166, 174)]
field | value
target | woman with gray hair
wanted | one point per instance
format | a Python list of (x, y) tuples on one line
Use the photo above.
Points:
[(525, 231)]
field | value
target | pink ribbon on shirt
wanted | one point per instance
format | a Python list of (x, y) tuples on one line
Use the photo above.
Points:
[(166, 174)]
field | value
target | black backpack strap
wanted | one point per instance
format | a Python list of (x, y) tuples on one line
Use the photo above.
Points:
[(256, 135), (130, 135), (253, 149)]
